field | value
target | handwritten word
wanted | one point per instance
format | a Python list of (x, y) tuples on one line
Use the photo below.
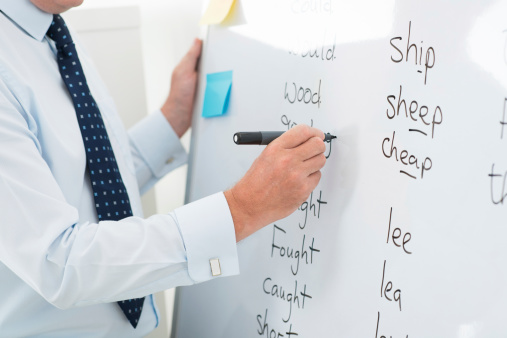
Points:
[(264, 328), (292, 297), (376, 333), (311, 6), (384, 291), (397, 234), (415, 111), (318, 50), (494, 179), (290, 123), (505, 47), (430, 53), (301, 94), (503, 122), (297, 255), (313, 206), (426, 165)]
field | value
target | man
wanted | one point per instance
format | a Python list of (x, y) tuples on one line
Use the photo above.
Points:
[(76, 256)]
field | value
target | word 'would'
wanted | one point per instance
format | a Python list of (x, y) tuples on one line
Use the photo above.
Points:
[(317, 50)]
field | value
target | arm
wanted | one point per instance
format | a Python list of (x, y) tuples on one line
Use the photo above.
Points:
[(279, 180), (155, 145), (179, 105), (156, 150), (293, 161), (73, 261)]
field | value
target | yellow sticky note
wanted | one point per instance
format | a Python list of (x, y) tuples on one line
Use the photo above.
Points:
[(217, 11)]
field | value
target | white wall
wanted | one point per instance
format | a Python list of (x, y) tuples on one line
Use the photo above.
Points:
[(168, 28)]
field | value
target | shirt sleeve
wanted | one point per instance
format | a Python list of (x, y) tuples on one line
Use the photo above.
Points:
[(156, 150), (207, 225), (72, 261)]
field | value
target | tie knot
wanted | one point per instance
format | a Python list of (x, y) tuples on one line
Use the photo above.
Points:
[(59, 32)]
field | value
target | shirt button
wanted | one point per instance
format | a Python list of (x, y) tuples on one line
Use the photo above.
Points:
[(170, 160)]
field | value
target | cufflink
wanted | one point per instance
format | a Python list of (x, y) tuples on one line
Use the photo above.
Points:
[(170, 160), (215, 267)]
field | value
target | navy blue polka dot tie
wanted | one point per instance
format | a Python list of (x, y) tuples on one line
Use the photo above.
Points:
[(111, 198)]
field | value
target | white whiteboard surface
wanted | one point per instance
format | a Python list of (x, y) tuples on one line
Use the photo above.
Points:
[(451, 276)]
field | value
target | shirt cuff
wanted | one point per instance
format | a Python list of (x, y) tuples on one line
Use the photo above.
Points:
[(158, 144), (208, 234)]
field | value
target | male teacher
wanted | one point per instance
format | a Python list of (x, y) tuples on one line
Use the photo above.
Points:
[(77, 259)]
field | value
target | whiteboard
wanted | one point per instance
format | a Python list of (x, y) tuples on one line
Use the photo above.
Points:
[(405, 235)]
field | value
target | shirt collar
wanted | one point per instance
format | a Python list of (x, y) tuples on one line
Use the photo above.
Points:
[(27, 16)]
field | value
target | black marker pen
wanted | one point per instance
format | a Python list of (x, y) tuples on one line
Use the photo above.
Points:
[(265, 137)]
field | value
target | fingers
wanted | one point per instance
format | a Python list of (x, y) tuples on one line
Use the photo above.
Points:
[(314, 179), (312, 147), (314, 164), (192, 56), (298, 135)]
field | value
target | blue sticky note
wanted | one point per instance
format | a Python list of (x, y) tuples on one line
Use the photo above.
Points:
[(216, 96)]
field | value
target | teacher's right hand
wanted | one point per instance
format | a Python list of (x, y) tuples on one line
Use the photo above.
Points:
[(279, 181)]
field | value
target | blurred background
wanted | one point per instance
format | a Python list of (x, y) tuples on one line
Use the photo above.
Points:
[(152, 36)]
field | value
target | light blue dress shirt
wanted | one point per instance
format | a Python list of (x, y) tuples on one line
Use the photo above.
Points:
[(61, 271)]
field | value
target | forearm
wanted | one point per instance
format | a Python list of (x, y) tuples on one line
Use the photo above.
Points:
[(156, 150), (89, 263)]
